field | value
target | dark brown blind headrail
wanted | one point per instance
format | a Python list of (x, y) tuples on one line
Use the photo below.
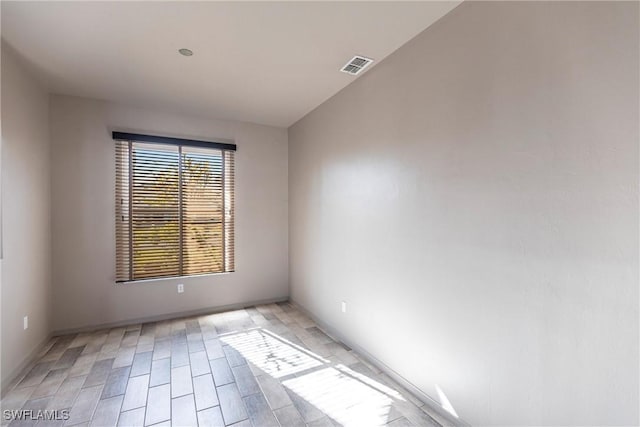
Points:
[(138, 137), (175, 209)]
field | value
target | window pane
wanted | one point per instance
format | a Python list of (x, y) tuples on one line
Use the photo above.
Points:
[(174, 210), (155, 211), (202, 195)]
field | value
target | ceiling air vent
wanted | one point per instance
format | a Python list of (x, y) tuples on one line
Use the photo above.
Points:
[(356, 65)]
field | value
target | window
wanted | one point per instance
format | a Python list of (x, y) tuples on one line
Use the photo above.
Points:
[(174, 207)]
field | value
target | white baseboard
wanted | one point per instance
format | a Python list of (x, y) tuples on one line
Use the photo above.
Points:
[(443, 416)]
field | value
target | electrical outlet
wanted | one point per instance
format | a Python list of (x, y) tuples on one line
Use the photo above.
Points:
[(25, 322), (180, 288), (344, 306)]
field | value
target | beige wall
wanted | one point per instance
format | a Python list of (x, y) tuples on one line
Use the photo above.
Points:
[(26, 232), (83, 179), (474, 199)]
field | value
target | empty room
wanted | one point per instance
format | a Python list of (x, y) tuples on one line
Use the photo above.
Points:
[(320, 213)]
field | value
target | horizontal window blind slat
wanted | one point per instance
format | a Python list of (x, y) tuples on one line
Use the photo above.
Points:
[(175, 210)]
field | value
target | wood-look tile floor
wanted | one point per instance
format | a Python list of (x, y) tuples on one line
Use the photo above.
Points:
[(268, 365)]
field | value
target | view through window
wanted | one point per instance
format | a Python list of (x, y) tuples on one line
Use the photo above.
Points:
[(174, 209)]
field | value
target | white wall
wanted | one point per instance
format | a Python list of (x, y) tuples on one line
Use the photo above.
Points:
[(26, 232), (474, 199), (83, 221)]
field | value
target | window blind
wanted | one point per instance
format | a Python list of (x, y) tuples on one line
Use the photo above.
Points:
[(175, 207)]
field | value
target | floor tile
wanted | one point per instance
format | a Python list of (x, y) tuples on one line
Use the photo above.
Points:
[(107, 412), (245, 380), (34, 405), (179, 355), (346, 357), (209, 332), (393, 413), (181, 381), (179, 336), (36, 374), (148, 329), (319, 335), (124, 357), (83, 364), (108, 352), (195, 346), (231, 404), (160, 372), (210, 417), (69, 357), (56, 351), (115, 334), (99, 372), (116, 382), (16, 398), (183, 411), (233, 356), (256, 370), (334, 345), (192, 326), (67, 393), (289, 416), (136, 394), (163, 329), (162, 349), (205, 392), (81, 339), (133, 418), (84, 406), (259, 412), (221, 372), (145, 343), (158, 405), (199, 363), (273, 391), (130, 338), (141, 364), (307, 410), (50, 383), (214, 349)]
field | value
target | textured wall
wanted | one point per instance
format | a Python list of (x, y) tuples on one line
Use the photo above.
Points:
[(83, 216), (474, 199), (26, 231)]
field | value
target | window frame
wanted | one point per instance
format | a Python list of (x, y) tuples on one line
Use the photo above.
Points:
[(227, 186)]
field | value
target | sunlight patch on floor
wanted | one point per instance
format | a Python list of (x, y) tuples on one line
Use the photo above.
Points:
[(348, 397), (274, 355), (371, 382), (344, 398)]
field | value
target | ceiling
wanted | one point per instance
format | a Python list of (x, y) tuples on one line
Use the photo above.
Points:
[(262, 62)]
